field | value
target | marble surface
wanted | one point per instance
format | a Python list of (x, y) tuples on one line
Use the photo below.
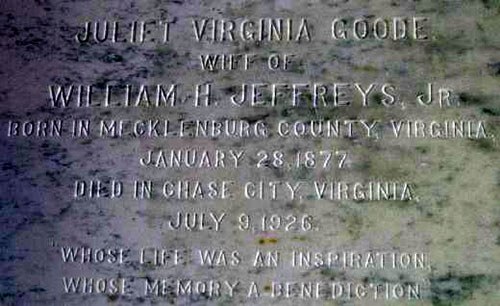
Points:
[(454, 217)]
